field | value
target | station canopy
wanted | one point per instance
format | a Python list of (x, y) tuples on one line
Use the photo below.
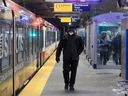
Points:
[(82, 9)]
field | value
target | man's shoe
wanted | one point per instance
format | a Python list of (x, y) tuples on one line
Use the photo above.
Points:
[(66, 87), (72, 88)]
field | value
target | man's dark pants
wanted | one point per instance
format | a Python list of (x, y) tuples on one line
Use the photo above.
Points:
[(70, 65)]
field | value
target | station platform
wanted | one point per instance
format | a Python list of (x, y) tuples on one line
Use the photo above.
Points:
[(89, 82)]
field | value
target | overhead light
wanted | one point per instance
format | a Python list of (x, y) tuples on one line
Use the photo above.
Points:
[(69, 23)]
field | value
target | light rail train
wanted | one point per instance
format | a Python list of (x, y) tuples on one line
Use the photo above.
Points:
[(26, 42)]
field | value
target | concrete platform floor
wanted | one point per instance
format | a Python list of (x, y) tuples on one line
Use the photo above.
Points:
[(89, 82)]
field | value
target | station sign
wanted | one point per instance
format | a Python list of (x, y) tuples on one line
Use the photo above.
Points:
[(75, 19), (63, 7), (79, 7), (65, 19), (80, 1)]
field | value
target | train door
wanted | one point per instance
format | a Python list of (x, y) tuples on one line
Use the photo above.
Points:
[(41, 46), (5, 51), (35, 45), (38, 47)]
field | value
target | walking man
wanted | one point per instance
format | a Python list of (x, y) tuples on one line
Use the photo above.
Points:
[(72, 46)]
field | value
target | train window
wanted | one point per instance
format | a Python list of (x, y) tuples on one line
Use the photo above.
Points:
[(30, 41), (41, 38), (4, 43), (19, 44), (48, 37), (34, 40), (26, 37), (23, 34), (4, 49)]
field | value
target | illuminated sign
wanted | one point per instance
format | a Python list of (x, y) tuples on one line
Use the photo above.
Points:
[(75, 19), (24, 18), (65, 19), (81, 7), (62, 7), (82, 0)]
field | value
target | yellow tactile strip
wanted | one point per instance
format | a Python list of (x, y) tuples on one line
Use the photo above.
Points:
[(38, 82)]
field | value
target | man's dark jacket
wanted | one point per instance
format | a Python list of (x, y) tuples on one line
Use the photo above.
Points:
[(72, 47)]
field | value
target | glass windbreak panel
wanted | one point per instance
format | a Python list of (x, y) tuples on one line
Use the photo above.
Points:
[(108, 45)]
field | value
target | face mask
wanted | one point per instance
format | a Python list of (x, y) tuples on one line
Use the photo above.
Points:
[(71, 33)]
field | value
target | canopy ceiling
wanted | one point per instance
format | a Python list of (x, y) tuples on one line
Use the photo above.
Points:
[(44, 8)]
